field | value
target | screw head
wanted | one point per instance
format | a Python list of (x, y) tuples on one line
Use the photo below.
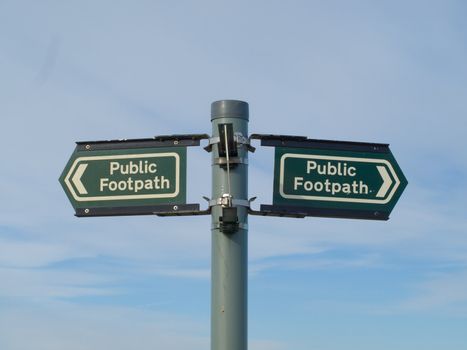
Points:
[(88, 147), (86, 211), (176, 142), (175, 207)]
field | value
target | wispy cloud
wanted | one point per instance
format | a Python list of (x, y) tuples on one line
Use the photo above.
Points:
[(29, 254), (445, 293), (371, 72), (316, 262), (61, 325), (267, 345), (51, 284), (56, 326), (183, 272)]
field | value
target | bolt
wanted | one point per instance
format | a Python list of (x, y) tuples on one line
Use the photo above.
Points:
[(86, 211), (88, 146), (176, 142), (175, 207)]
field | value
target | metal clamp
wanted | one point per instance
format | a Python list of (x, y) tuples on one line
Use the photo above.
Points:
[(227, 201), (232, 160), (217, 225), (242, 140), (239, 139)]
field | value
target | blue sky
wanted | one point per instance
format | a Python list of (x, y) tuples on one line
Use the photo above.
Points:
[(388, 71)]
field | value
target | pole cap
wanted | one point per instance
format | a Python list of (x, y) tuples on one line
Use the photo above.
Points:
[(229, 109)]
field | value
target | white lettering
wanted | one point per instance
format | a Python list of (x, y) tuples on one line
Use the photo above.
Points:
[(113, 185), (331, 168), (133, 168), (104, 183), (310, 165), (114, 166), (130, 185), (298, 181), (333, 188)]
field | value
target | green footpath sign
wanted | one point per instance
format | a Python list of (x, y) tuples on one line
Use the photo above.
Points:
[(335, 182), (125, 177)]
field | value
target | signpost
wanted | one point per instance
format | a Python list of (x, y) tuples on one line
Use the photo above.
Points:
[(311, 178), (131, 177), (335, 179)]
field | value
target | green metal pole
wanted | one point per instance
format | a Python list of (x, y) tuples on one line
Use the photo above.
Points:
[(229, 249)]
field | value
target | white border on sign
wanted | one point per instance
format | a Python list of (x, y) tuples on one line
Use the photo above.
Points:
[(130, 196), (336, 199)]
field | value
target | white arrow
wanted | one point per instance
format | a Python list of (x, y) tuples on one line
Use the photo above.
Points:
[(76, 179), (387, 182)]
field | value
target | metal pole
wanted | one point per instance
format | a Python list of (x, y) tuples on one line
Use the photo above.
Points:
[(229, 250)]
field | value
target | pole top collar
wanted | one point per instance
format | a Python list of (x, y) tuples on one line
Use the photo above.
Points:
[(229, 109)]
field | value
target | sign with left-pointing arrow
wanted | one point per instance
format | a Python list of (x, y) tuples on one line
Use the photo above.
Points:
[(97, 176)]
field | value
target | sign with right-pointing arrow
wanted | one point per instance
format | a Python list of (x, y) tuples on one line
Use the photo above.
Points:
[(338, 179)]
